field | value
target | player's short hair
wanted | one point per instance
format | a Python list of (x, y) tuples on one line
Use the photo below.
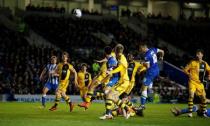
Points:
[(65, 53), (200, 51), (119, 48), (143, 42), (108, 50), (53, 57), (84, 65)]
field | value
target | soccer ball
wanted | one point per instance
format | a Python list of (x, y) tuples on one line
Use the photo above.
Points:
[(77, 13)]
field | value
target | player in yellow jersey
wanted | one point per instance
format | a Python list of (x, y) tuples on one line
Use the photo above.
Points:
[(133, 68), (95, 82), (84, 80), (64, 70), (196, 71), (101, 78), (112, 98)]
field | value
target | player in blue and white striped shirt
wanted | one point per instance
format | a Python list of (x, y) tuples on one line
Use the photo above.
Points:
[(52, 79)]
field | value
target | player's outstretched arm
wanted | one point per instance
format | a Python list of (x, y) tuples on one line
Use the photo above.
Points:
[(207, 100), (187, 68), (43, 73), (90, 80), (118, 69), (101, 61), (75, 75), (146, 64), (140, 67)]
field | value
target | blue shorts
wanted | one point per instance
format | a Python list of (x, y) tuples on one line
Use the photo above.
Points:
[(112, 81), (149, 77), (51, 86)]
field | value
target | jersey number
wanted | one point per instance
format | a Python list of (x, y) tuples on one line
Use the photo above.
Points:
[(154, 57)]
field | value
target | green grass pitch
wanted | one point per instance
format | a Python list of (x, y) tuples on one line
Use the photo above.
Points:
[(29, 114)]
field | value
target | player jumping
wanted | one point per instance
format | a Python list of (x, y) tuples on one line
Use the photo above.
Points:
[(152, 69)]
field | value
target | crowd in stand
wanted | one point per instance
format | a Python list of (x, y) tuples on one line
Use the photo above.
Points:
[(19, 64), (184, 35), (75, 32), (22, 63)]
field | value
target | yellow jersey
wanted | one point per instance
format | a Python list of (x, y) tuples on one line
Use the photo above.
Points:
[(64, 72), (84, 79), (122, 69), (103, 68), (196, 70), (133, 68)]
